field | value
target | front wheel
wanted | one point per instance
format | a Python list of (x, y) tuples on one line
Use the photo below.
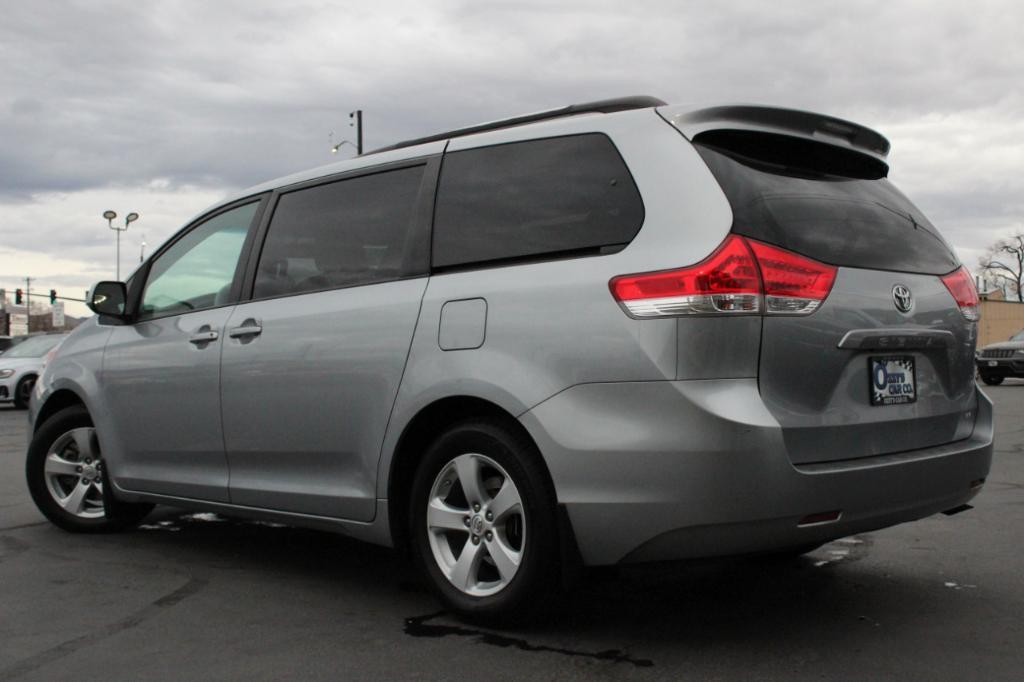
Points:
[(66, 476), (483, 524), (23, 392), (992, 379)]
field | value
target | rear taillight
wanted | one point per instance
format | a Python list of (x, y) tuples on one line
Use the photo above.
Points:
[(724, 282), (961, 286), (792, 283), (731, 280)]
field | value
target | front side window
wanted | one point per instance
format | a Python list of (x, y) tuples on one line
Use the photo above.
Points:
[(196, 272), (545, 198), (341, 234)]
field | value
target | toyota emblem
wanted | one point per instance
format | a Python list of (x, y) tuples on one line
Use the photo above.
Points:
[(902, 297)]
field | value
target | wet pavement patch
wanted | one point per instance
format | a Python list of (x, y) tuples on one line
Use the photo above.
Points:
[(420, 626)]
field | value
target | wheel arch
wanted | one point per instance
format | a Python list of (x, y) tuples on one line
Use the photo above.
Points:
[(57, 401), (429, 422)]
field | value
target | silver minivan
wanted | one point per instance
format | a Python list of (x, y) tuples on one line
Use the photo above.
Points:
[(613, 332)]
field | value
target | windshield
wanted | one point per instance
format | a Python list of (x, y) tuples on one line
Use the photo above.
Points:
[(36, 347), (1019, 336)]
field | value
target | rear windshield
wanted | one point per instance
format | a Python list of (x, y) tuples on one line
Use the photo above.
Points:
[(844, 221)]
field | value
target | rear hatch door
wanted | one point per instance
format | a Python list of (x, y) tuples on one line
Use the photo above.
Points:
[(886, 363)]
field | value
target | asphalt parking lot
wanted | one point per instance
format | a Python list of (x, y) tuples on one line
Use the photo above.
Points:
[(201, 597)]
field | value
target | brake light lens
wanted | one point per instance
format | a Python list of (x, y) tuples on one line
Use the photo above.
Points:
[(961, 286), (792, 283), (724, 282), (736, 278)]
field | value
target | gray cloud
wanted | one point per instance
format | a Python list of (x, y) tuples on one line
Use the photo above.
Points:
[(204, 97)]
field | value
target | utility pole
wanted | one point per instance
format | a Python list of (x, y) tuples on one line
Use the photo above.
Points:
[(358, 115), (28, 304)]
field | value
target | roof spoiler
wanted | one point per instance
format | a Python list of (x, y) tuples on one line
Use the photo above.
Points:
[(803, 124)]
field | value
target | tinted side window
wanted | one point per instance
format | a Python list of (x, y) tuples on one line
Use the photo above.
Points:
[(527, 199), (349, 232), (197, 270)]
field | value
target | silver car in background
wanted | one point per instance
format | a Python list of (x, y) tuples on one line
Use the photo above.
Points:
[(614, 332), (20, 366)]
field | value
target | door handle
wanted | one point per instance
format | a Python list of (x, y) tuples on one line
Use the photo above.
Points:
[(204, 337), (249, 328)]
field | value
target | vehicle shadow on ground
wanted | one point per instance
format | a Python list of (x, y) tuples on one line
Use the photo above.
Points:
[(615, 612)]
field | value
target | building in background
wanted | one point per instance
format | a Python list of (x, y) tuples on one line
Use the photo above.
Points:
[(1000, 318)]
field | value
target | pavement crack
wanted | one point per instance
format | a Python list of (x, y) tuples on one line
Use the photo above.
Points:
[(419, 626), (72, 645)]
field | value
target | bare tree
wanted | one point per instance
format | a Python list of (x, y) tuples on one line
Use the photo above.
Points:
[(1004, 263)]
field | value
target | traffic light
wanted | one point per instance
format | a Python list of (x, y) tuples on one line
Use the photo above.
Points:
[(53, 296), (17, 297)]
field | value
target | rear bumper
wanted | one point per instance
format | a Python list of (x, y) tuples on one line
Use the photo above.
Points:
[(685, 469)]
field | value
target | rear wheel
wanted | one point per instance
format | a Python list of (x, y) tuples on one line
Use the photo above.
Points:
[(23, 392), (483, 524), (66, 476), (992, 379)]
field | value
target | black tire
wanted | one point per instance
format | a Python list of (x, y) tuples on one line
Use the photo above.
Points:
[(536, 580), (105, 518), (23, 391), (992, 379)]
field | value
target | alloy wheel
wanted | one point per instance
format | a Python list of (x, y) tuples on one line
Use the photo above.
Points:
[(476, 525), (73, 470)]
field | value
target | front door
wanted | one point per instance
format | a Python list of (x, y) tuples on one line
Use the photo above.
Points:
[(161, 374)]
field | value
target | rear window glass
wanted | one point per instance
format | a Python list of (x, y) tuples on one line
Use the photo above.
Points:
[(346, 233), (540, 198), (840, 220)]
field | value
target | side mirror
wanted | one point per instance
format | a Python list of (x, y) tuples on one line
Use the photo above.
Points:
[(109, 299)]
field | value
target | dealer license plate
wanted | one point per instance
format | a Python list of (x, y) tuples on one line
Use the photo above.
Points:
[(892, 380)]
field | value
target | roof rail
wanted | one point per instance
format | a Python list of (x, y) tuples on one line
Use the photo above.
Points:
[(604, 106)]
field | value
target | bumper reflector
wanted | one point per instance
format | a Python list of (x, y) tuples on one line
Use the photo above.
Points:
[(820, 518)]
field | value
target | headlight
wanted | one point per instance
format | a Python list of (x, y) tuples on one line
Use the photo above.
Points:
[(4, 373), (1020, 351)]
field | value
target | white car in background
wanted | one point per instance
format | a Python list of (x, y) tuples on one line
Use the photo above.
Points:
[(22, 364)]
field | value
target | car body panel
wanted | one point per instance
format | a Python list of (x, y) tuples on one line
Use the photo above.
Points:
[(819, 391), (155, 381), (307, 401), (688, 469)]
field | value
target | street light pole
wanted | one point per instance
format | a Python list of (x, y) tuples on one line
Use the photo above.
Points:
[(357, 118), (130, 218)]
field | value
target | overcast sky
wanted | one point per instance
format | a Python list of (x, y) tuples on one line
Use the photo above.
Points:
[(164, 108)]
